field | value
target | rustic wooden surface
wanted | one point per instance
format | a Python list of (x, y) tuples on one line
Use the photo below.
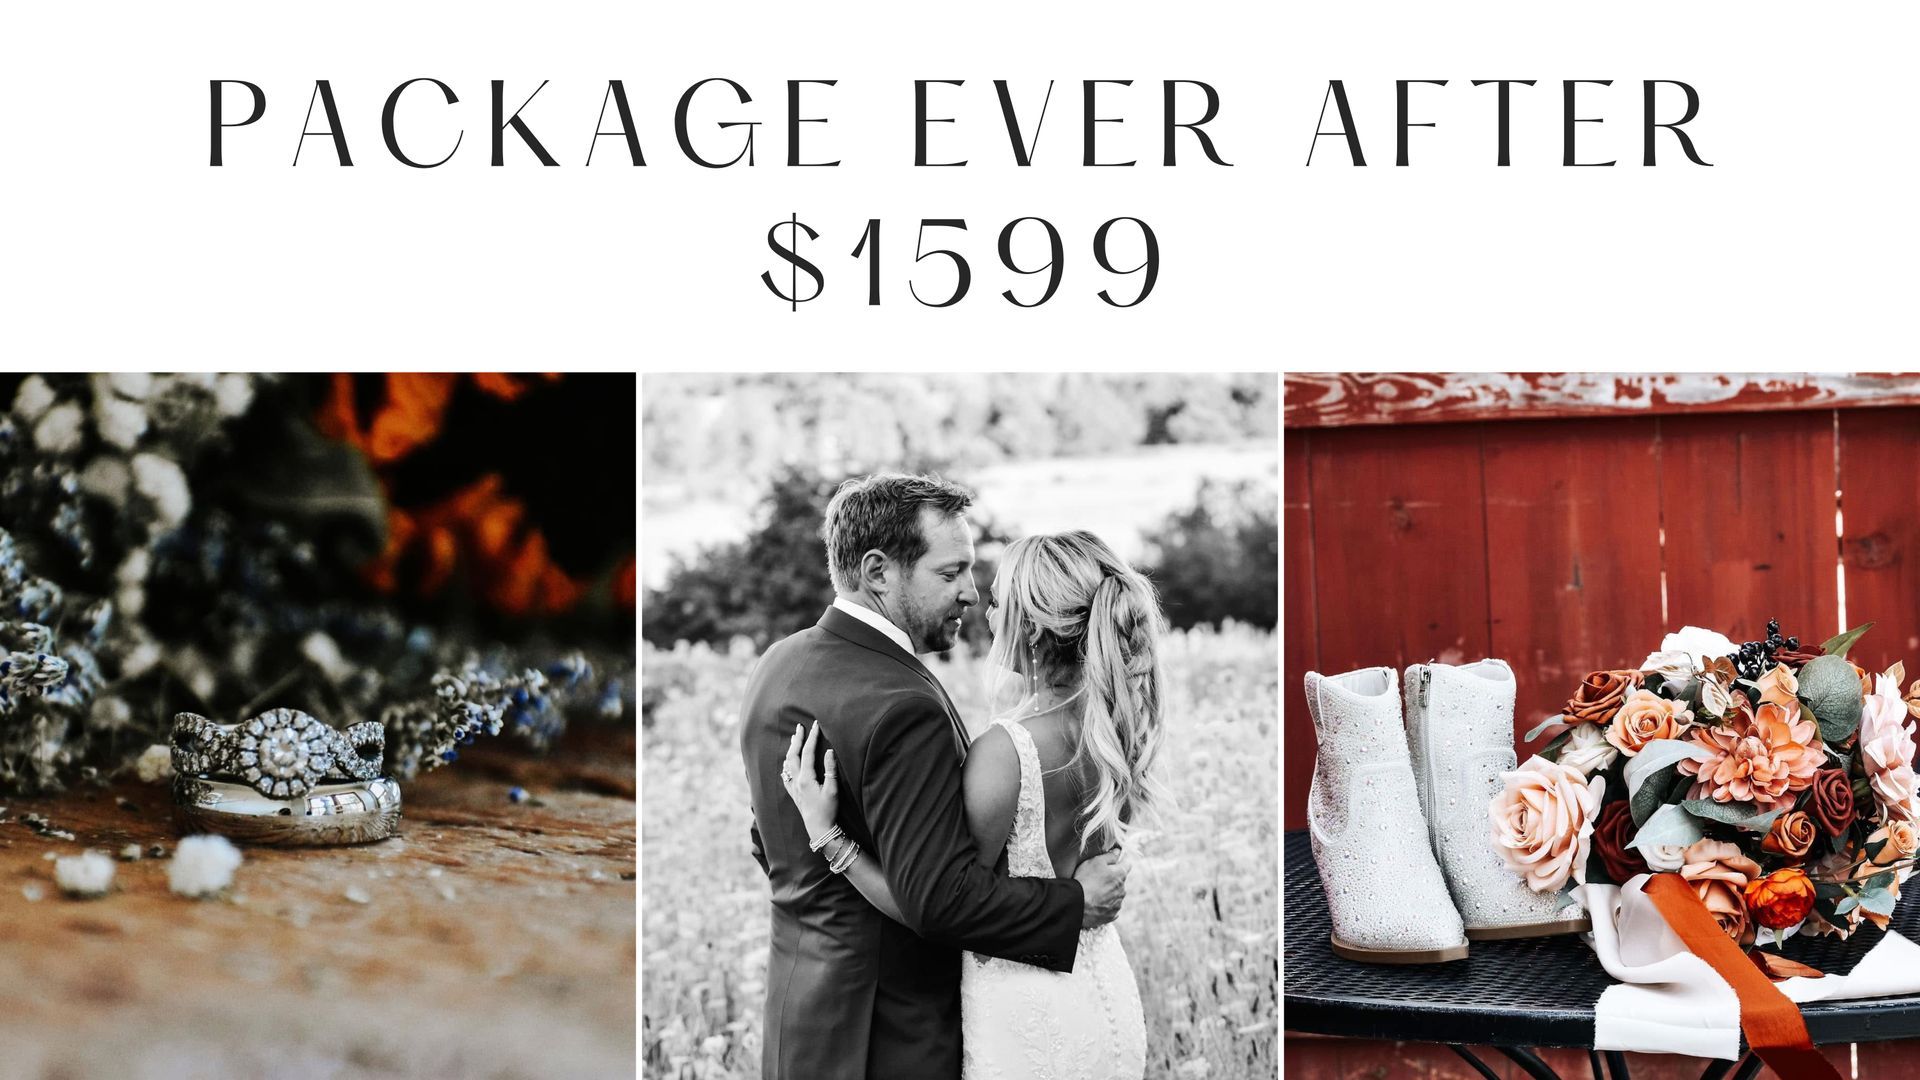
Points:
[(495, 941), (1346, 399)]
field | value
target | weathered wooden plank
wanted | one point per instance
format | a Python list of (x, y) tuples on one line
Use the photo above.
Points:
[(489, 939), (1301, 633), (1347, 399), (1399, 546), (1748, 503), (1574, 532), (1880, 504)]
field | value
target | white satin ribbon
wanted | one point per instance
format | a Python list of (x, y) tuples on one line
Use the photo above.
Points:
[(1669, 1001)]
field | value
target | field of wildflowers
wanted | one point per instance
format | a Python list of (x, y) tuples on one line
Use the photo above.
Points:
[(1199, 924)]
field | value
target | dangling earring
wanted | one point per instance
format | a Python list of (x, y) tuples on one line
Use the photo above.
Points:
[(1033, 671)]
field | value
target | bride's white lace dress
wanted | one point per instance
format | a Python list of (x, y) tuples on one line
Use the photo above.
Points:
[(1020, 1022)]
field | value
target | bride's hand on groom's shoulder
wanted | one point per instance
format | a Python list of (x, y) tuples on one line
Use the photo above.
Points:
[(1103, 885), (815, 792)]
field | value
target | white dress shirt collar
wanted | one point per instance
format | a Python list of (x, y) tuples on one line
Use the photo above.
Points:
[(877, 621)]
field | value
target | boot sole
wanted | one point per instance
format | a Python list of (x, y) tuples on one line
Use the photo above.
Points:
[(1398, 956), (1545, 929)]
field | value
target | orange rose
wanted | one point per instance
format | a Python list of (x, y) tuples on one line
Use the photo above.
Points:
[(1792, 834), (1645, 716), (1781, 899), (1599, 696)]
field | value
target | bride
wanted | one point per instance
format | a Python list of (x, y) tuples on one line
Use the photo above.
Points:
[(1065, 774)]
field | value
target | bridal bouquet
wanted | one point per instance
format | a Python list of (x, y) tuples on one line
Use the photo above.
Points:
[(1777, 780)]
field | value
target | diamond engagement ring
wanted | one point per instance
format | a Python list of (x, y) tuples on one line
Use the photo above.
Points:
[(281, 754), (346, 813)]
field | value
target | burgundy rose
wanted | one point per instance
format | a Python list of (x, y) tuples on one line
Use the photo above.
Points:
[(1797, 658), (1611, 834), (1599, 696), (1832, 801)]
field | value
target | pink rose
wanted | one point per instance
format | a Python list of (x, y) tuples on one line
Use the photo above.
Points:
[(1886, 749), (1543, 822), (1719, 872)]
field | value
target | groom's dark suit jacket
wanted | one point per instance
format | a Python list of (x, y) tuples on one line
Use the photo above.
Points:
[(851, 994)]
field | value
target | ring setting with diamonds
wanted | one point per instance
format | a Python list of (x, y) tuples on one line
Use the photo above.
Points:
[(282, 753)]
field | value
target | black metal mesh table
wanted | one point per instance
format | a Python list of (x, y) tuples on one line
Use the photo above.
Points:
[(1518, 994)]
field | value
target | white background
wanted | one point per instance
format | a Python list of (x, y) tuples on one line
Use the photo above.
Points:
[(1793, 248)]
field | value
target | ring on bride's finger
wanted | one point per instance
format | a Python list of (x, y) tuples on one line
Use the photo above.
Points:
[(282, 753), (356, 812)]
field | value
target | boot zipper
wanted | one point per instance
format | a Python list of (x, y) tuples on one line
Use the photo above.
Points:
[(1423, 682)]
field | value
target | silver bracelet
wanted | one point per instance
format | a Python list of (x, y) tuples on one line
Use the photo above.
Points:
[(847, 856), (827, 838)]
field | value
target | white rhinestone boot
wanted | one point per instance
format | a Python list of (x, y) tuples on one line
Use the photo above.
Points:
[(1460, 727), (1385, 893)]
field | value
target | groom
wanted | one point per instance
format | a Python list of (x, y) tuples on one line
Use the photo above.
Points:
[(851, 994)]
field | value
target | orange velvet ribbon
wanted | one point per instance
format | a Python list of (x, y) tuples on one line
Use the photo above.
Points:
[(1770, 1019)]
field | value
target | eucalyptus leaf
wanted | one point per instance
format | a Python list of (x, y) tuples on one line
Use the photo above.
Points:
[(1740, 815), (1839, 644), (1831, 689), (1654, 792), (1657, 755), (1669, 825), (1542, 726), (1878, 901), (1551, 751)]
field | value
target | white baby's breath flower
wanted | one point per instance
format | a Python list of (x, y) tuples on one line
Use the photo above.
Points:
[(133, 570), (233, 394), (110, 713), (162, 482), (1663, 858), (119, 421), (1587, 749), (139, 660), (131, 384), (106, 477), (58, 432), (32, 399), (131, 597), (87, 874), (155, 764), (202, 865), (325, 653)]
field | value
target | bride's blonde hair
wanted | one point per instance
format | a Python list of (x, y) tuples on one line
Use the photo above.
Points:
[(1075, 613)]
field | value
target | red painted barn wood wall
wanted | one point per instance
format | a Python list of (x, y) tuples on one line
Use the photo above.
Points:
[(1545, 542)]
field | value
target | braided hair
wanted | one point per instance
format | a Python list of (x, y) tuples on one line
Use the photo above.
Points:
[(1075, 614)]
